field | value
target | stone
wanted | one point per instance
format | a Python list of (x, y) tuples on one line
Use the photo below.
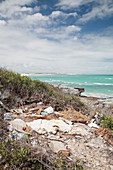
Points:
[(70, 90), (81, 131), (57, 146), (49, 126)]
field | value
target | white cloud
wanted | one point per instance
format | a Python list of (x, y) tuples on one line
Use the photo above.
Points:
[(99, 12), (100, 8), (2, 22), (66, 4), (20, 47), (73, 28), (36, 43), (8, 7), (56, 14)]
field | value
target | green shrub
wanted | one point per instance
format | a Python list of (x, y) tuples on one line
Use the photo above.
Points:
[(13, 156), (107, 122)]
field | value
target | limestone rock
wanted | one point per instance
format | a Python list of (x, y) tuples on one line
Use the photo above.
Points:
[(57, 146)]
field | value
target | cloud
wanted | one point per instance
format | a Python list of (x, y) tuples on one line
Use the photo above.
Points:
[(33, 42), (73, 28), (100, 8), (100, 11), (56, 14), (20, 47), (66, 4), (2, 22), (9, 8)]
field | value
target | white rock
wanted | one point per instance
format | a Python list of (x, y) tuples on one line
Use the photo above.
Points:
[(57, 146), (49, 126), (79, 131)]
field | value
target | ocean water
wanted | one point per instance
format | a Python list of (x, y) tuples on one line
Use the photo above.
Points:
[(94, 85)]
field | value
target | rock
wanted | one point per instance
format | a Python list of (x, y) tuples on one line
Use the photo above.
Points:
[(70, 90), (49, 126), (80, 130), (57, 146)]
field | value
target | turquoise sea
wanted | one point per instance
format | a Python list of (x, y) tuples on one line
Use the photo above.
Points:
[(95, 85)]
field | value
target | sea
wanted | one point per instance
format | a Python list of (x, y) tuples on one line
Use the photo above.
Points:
[(100, 86)]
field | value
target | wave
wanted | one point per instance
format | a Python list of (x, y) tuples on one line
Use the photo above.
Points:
[(109, 78), (75, 83), (99, 95)]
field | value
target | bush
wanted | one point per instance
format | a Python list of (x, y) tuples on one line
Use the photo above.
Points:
[(13, 156), (107, 122)]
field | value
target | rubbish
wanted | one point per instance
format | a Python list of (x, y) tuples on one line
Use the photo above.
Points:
[(13, 136), (39, 111), (18, 124), (93, 125), (34, 110), (18, 111), (75, 116), (44, 113), (7, 116), (40, 103), (17, 135), (24, 129), (49, 126), (49, 110), (57, 146), (6, 108), (96, 117)]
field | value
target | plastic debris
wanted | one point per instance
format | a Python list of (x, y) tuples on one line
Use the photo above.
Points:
[(13, 136), (6, 108), (18, 111), (93, 125), (18, 124), (7, 116), (39, 111), (44, 113), (49, 110)]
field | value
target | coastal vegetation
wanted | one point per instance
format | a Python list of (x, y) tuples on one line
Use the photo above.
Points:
[(107, 122), (27, 90), (17, 90)]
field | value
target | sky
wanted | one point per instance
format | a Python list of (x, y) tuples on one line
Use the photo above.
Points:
[(57, 36)]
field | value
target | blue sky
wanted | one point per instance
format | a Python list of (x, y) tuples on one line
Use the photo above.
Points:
[(57, 36)]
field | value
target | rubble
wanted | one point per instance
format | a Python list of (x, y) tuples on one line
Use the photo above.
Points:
[(68, 132), (57, 146)]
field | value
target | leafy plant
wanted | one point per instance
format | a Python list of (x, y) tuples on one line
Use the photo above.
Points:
[(107, 122), (13, 156)]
